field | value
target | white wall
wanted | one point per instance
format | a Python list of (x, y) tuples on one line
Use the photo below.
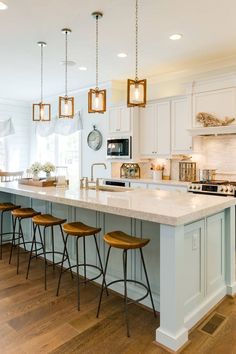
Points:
[(17, 145)]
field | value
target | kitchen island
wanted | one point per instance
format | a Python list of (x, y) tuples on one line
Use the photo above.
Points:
[(191, 256)]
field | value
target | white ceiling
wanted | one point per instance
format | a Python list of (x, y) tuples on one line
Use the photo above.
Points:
[(208, 26)]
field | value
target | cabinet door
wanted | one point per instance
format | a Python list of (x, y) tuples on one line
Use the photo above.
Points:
[(138, 185), (147, 134), (114, 120), (163, 128), (125, 119), (180, 122)]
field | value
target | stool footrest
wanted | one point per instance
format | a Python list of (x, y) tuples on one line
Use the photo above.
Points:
[(50, 252), (85, 265), (135, 282)]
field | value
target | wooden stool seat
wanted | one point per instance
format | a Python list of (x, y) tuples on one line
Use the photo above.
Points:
[(24, 213), (8, 206), (47, 220), (79, 229), (119, 239)]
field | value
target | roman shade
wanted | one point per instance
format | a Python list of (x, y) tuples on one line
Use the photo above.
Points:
[(6, 128)]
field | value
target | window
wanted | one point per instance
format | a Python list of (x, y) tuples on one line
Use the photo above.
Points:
[(61, 151)]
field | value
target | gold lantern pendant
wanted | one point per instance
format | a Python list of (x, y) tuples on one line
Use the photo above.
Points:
[(136, 89), (41, 111), (96, 97), (66, 104)]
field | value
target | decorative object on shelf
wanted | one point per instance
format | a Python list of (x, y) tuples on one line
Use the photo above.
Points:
[(94, 139), (97, 97), (157, 171), (48, 167), (41, 111), (66, 104), (130, 170), (35, 168), (187, 171), (210, 120), (136, 89), (62, 176)]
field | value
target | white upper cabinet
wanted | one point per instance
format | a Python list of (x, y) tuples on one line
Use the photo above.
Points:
[(181, 141), (120, 120), (155, 129)]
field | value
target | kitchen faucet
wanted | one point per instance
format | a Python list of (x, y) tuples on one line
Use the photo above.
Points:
[(97, 164)]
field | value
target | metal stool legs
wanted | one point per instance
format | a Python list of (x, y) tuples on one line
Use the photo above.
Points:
[(1, 229), (125, 280), (20, 236)]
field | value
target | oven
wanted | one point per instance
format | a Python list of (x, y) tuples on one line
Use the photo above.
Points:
[(119, 148)]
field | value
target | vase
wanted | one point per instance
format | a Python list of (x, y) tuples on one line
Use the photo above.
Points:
[(48, 175)]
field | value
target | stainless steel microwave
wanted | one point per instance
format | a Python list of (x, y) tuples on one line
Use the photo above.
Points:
[(119, 148)]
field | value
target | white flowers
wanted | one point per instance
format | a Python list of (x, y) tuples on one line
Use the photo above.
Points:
[(48, 167), (36, 167)]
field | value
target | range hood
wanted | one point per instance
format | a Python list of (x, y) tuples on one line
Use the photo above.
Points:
[(206, 131)]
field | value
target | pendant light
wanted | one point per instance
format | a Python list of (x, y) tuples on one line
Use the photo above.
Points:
[(96, 97), (66, 104), (136, 89), (41, 111)]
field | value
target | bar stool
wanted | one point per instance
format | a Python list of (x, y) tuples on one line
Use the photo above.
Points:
[(121, 240), (4, 208), (78, 230), (18, 215), (47, 221)]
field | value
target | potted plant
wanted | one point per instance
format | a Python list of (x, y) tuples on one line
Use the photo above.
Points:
[(48, 167), (35, 168)]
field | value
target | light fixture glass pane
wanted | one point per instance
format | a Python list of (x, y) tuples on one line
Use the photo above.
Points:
[(97, 101), (42, 112), (66, 107), (136, 93)]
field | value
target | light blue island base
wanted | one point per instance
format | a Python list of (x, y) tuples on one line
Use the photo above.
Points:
[(191, 267)]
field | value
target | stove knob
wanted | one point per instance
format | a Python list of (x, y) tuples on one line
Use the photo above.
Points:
[(221, 189), (194, 187), (231, 190), (190, 187), (226, 189), (199, 188)]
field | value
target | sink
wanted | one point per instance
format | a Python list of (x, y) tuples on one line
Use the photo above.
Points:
[(109, 189)]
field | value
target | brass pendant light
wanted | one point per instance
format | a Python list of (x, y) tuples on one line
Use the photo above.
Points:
[(66, 104), (41, 111), (96, 97), (136, 89)]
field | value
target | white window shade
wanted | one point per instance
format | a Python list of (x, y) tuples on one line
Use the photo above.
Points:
[(6, 128), (60, 126)]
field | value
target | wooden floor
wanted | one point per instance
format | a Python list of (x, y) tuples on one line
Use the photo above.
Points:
[(36, 321)]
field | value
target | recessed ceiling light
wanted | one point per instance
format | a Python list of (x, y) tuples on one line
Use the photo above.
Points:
[(82, 68), (69, 62), (122, 55), (176, 36), (3, 6)]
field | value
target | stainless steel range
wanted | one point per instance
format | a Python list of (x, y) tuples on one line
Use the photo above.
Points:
[(224, 188)]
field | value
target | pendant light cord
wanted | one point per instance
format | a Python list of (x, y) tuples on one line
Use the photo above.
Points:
[(41, 73), (97, 52), (136, 42), (66, 61)]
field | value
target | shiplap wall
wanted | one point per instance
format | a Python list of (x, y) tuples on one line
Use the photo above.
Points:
[(17, 145)]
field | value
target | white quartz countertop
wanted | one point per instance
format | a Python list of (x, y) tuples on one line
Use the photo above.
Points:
[(171, 208), (150, 181)]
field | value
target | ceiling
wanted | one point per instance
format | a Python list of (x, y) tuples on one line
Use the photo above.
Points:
[(209, 33)]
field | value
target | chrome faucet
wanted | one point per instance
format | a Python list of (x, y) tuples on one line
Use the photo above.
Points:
[(97, 164)]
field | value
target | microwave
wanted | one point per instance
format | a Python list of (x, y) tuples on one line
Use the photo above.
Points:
[(119, 148)]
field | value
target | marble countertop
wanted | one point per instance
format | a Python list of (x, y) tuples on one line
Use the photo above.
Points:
[(150, 181), (165, 207)]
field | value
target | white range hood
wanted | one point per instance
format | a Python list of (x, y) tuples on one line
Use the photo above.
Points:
[(205, 131)]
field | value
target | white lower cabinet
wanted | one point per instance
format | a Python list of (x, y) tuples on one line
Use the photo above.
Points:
[(138, 185), (204, 257), (167, 188)]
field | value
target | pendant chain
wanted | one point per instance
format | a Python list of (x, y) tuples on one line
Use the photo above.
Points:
[(66, 62), (97, 52), (136, 42), (41, 73)]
